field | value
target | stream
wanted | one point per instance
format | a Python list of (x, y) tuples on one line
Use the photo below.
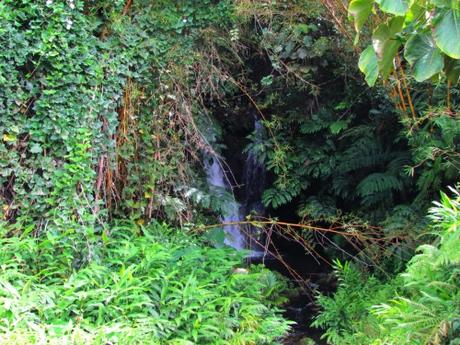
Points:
[(300, 309)]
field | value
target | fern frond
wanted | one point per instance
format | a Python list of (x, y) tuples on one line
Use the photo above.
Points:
[(377, 183), (365, 152), (274, 197)]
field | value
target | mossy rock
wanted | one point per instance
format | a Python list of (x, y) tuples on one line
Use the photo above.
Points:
[(307, 341)]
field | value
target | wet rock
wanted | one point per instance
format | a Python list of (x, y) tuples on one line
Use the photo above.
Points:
[(307, 341)]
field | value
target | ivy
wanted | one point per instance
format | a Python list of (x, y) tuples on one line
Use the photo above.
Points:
[(51, 104), (76, 73)]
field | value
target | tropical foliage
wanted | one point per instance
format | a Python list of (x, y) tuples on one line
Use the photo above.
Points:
[(379, 154), (141, 286), (428, 30), (110, 111), (420, 306)]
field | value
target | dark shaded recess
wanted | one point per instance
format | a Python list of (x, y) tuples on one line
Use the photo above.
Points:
[(237, 125), (236, 118), (301, 309)]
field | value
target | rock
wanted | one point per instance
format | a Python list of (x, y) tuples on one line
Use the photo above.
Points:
[(307, 341)]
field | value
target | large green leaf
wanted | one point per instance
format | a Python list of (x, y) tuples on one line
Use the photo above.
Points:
[(396, 7), (452, 69), (424, 57), (416, 11), (447, 33), (445, 3), (360, 11), (368, 65), (386, 44)]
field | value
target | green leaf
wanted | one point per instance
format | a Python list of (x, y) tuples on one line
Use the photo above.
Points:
[(9, 138), (447, 33), (368, 65), (386, 44), (424, 57), (338, 126), (396, 7), (444, 3), (452, 69), (216, 237), (417, 10), (360, 11), (36, 148)]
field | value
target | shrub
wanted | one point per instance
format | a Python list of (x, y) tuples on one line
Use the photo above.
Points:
[(421, 306), (143, 286)]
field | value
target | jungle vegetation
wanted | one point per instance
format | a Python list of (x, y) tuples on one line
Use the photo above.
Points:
[(109, 230)]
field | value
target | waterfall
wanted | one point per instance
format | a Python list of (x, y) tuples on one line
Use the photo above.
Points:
[(254, 175), (216, 177), (254, 184)]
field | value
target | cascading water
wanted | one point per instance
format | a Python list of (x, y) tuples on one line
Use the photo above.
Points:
[(238, 236), (216, 178), (254, 184), (254, 176)]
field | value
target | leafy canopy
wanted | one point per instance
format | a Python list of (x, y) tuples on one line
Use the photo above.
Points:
[(428, 31)]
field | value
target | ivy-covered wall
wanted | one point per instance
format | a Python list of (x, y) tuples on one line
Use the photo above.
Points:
[(96, 108), (60, 89)]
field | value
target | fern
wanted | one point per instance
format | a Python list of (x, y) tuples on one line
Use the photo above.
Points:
[(420, 307), (378, 183), (397, 160), (274, 197), (318, 122), (346, 315), (342, 186), (318, 209), (364, 153)]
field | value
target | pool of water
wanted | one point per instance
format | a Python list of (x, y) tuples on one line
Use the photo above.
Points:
[(302, 311)]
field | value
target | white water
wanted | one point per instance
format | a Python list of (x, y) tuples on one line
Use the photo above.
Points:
[(254, 181), (216, 177)]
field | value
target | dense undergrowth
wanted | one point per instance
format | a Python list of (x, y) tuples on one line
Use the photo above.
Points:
[(108, 110), (419, 306), (142, 286)]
